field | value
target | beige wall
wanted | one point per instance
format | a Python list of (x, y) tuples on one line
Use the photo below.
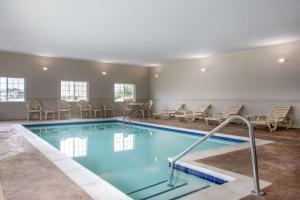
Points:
[(46, 84), (253, 78)]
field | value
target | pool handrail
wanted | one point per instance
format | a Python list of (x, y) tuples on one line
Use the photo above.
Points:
[(132, 115), (257, 191)]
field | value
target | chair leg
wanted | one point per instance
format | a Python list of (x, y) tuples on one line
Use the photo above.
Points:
[(58, 115), (40, 115), (206, 122), (270, 127), (143, 114), (28, 116)]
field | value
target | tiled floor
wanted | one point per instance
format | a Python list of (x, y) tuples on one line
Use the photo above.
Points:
[(26, 174), (279, 162)]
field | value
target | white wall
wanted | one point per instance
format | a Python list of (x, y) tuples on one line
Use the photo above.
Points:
[(46, 84), (253, 78)]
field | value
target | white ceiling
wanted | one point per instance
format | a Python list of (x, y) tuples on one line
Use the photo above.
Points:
[(144, 31)]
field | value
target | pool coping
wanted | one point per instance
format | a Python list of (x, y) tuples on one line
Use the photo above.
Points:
[(98, 188)]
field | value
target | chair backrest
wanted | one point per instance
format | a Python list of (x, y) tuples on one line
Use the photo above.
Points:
[(107, 104), (63, 105), (83, 104), (234, 110), (33, 104), (177, 107), (147, 106), (280, 111), (203, 108), (150, 103)]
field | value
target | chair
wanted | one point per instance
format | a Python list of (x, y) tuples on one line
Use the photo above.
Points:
[(168, 113), (147, 108), (108, 107), (84, 106), (63, 107), (277, 117), (190, 116), (33, 106), (220, 117)]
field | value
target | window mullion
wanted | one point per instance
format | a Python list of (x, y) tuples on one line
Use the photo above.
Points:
[(123, 92), (74, 91), (6, 88)]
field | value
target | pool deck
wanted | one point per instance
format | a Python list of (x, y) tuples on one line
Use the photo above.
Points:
[(27, 174), (278, 162)]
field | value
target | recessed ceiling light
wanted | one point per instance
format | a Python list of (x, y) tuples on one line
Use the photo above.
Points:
[(107, 61), (153, 65), (45, 68), (104, 73), (203, 69), (281, 60), (198, 56), (156, 75)]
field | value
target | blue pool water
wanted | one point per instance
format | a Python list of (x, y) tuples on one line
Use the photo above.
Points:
[(130, 157)]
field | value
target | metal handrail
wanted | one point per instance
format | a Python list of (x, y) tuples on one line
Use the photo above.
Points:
[(257, 191), (132, 115)]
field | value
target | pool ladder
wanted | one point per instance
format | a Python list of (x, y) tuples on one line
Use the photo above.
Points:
[(257, 191)]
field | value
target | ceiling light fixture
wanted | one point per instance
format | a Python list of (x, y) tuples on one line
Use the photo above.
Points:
[(153, 65), (45, 68), (203, 70), (156, 75), (281, 60), (104, 73)]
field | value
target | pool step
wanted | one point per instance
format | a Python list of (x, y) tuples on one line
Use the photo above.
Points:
[(190, 192), (144, 188), (162, 191)]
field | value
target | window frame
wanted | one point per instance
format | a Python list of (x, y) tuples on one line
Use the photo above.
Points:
[(25, 90), (134, 92), (87, 90)]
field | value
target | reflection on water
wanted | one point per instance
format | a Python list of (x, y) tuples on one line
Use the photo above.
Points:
[(123, 142), (74, 146)]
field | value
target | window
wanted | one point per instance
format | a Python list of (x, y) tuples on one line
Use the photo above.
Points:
[(124, 92), (12, 89), (74, 90)]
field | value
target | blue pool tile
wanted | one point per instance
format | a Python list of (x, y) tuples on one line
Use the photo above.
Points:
[(199, 174)]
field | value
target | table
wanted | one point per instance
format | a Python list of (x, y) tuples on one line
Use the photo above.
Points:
[(96, 111), (47, 112)]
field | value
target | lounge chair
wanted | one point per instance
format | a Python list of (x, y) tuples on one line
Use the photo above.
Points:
[(190, 116), (166, 114), (108, 107), (220, 117), (84, 107), (277, 117), (33, 106), (63, 107)]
